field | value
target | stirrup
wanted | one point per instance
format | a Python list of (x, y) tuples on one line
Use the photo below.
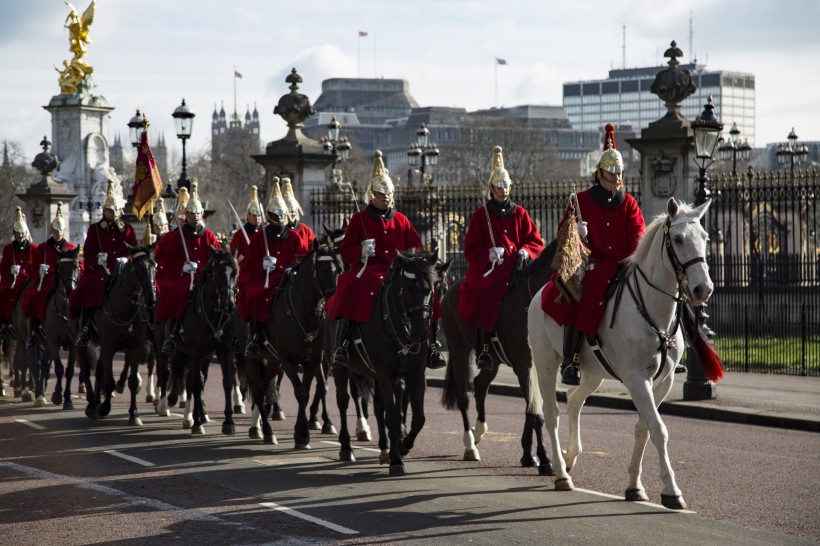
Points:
[(436, 361), (570, 375), (340, 356), (252, 349), (484, 361), (169, 346), (82, 338)]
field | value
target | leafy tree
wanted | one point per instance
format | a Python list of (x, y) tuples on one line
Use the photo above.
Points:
[(16, 175)]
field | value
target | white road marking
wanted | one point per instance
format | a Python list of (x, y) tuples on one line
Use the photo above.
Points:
[(317, 521), (357, 447), (128, 457), (31, 424), (645, 503)]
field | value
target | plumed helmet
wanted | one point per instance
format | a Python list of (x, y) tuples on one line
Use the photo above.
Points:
[(290, 198), (380, 179), (20, 225), (194, 205), (112, 202), (148, 236), (611, 159), (499, 176), (277, 205), (58, 223), (182, 202), (255, 207), (160, 217)]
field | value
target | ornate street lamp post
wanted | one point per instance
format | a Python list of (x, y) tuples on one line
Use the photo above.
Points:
[(421, 151), (791, 153), (338, 148), (734, 149), (135, 127), (707, 130), (183, 125)]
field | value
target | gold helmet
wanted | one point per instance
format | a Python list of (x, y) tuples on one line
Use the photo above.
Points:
[(499, 176), (194, 205), (277, 208), (182, 202), (112, 202), (58, 223), (290, 199), (160, 217), (148, 236), (611, 159), (254, 207), (20, 225), (380, 179)]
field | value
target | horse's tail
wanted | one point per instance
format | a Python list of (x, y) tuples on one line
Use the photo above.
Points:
[(365, 386), (449, 397), (535, 402), (705, 351)]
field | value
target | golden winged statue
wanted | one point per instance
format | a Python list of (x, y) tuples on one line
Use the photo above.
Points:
[(75, 72)]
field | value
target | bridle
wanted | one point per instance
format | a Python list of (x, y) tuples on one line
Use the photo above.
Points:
[(140, 285), (225, 296), (327, 255), (402, 333)]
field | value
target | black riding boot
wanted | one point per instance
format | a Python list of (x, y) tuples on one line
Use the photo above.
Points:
[(86, 315), (252, 348), (344, 328), (436, 359), (483, 361), (572, 356), (169, 346)]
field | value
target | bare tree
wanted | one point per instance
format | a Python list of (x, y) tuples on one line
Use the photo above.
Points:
[(16, 175)]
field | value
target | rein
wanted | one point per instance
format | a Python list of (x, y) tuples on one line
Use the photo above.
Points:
[(223, 317), (319, 310), (136, 297), (401, 334), (68, 286)]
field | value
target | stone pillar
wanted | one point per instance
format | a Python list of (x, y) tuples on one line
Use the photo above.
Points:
[(300, 158)]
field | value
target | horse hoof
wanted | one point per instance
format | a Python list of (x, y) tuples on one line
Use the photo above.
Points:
[(120, 388), (207, 418), (68, 405), (673, 502), (546, 470), (240, 409), (364, 436), (528, 461), (198, 430), (347, 455), (397, 470), (104, 409), (328, 429), (635, 495), (228, 429), (279, 415), (472, 455), (254, 433), (40, 402), (272, 440), (302, 444), (90, 412), (187, 424), (564, 484), (27, 397), (315, 425), (57, 398), (149, 398), (134, 421), (384, 457)]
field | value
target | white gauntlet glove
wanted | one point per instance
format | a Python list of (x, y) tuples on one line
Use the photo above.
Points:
[(123, 260), (190, 267), (15, 270), (497, 254), (582, 230), (44, 269), (368, 248), (269, 263), (102, 259)]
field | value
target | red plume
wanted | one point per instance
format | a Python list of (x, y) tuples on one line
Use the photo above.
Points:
[(609, 137), (709, 358)]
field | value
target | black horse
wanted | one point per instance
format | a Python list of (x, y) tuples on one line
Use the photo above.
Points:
[(207, 329), (295, 329), (512, 348), (396, 342), (121, 324)]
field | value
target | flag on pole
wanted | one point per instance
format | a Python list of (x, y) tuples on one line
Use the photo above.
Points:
[(237, 74), (500, 61), (147, 182), (362, 34)]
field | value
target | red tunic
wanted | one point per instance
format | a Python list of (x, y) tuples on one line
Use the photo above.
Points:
[(240, 248), (513, 229), (159, 250), (305, 233), (614, 234), (288, 249), (35, 298), (355, 297), (90, 289), (10, 287), (174, 285)]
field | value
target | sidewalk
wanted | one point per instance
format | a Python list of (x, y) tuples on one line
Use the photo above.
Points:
[(783, 401)]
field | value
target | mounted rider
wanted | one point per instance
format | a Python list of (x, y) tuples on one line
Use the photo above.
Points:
[(240, 245), (373, 238), (16, 268), (185, 253), (106, 243), (295, 213), (613, 228), (36, 296), (501, 237), (272, 251)]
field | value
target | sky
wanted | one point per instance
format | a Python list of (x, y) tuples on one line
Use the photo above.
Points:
[(149, 54)]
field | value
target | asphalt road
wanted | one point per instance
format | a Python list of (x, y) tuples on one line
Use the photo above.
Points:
[(76, 481)]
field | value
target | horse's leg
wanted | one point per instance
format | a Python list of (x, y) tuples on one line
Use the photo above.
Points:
[(532, 425), (163, 383), (151, 361), (228, 374), (392, 420), (363, 432), (381, 427), (59, 372), (341, 379), (301, 434), (132, 363), (414, 394), (575, 402), (259, 378), (196, 386), (105, 373), (277, 413), (481, 385)]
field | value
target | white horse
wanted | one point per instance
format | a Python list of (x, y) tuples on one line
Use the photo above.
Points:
[(667, 274)]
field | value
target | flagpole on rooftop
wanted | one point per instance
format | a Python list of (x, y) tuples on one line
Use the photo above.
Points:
[(359, 42), (375, 57), (234, 89), (496, 82)]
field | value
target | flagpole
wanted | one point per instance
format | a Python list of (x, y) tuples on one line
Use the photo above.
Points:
[(360, 54), (375, 57), (496, 83), (234, 89)]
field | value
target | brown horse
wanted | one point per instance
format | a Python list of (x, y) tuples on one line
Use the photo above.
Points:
[(512, 349)]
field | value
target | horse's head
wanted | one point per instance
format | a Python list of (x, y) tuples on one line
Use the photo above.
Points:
[(144, 270), (443, 278), (327, 264), (414, 276), (222, 270), (332, 237), (68, 269), (686, 243)]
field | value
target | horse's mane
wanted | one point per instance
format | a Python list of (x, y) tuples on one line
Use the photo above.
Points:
[(652, 229), (415, 263), (221, 254), (543, 259)]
